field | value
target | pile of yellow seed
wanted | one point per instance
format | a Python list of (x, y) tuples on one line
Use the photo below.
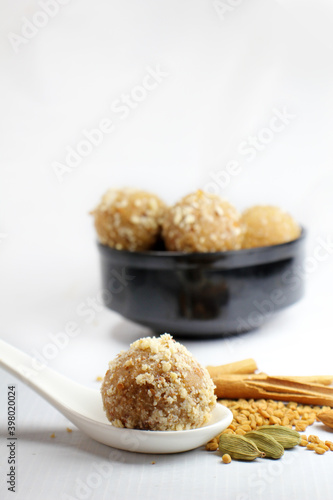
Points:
[(314, 443), (249, 414)]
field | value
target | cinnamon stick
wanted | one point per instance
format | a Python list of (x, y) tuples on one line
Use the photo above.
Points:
[(280, 388), (243, 366), (312, 379)]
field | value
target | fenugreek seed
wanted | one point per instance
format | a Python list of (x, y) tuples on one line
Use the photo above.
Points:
[(226, 458), (238, 447), (323, 446), (228, 431), (311, 446), (264, 413), (304, 436), (290, 413), (329, 444), (261, 401), (212, 446), (240, 432), (313, 439), (274, 420), (319, 450), (300, 426), (285, 421), (303, 442), (246, 427)]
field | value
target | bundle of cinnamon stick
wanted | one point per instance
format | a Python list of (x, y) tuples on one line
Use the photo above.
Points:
[(239, 380)]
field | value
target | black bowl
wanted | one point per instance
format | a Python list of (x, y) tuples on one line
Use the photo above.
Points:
[(202, 294)]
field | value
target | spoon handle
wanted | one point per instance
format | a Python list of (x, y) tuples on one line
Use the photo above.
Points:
[(54, 387)]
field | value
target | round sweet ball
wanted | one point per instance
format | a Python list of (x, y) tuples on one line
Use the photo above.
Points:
[(128, 219), (268, 225), (157, 385), (202, 222)]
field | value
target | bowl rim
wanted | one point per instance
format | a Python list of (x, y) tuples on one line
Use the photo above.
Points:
[(229, 259)]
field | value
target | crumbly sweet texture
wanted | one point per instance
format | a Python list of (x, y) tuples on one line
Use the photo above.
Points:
[(268, 225), (202, 222), (157, 385), (129, 219)]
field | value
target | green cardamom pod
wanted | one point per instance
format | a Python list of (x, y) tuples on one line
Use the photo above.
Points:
[(238, 447), (266, 443), (288, 438)]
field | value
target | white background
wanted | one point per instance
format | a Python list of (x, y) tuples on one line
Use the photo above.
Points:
[(227, 71)]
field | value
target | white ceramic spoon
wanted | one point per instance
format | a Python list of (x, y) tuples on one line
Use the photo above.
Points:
[(83, 407)]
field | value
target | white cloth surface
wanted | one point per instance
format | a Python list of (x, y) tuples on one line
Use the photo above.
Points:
[(223, 72)]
